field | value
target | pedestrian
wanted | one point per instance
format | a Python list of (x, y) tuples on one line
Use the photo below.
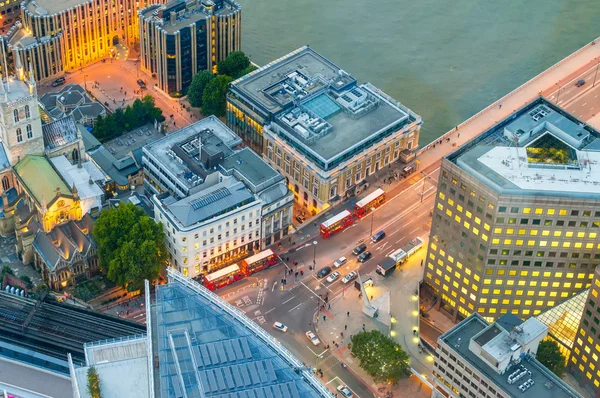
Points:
[(371, 297), (347, 314), (500, 106), (364, 327), (324, 317), (342, 334), (458, 135), (328, 306), (414, 332), (345, 327), (421, 262)]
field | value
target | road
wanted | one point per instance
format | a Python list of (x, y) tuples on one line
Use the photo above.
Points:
[(261, 297)]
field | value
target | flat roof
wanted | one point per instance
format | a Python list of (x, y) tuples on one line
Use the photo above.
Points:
[(539, 150), (252, 168), (26, 379), (49, 7), (458, 341)]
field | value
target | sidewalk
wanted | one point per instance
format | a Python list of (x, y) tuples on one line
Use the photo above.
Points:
[(338, 322)]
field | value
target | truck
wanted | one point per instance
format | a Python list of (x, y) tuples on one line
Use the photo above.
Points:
[(388, 264)]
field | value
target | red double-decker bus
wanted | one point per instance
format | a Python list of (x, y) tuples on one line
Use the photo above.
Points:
[(222, 277), (259, 261), (371, 201), (336, 223)]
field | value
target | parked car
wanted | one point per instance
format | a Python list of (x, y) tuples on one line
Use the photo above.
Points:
[(333, 276), (359, 249), (364, 257), (300, 218), (141, 83), (323, 272), (280, 326), (345, 391), (339, 262), (580, 83), (378, 236), (350, 277), (58, 82), (313, 339)]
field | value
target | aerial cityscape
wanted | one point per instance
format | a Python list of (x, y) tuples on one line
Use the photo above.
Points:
[(321, 200)]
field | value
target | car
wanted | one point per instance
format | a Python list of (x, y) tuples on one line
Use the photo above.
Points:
[(378, 236), (313, 339), (323, 272), (580, 83), (364, 257), (350, 277), (333, 276), (300, 218), (359, 249), (141, 83), (280, 326), (344, 390), (58, 82), (339, 262)]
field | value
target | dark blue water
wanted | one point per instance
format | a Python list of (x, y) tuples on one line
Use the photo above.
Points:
[(445, 59)]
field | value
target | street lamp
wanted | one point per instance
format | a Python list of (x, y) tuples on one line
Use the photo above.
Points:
[(315, 254), (596, 73), (426, 176), (372, 218), (85, 82), (558, 93)]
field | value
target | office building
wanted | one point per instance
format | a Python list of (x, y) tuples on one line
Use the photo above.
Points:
[(186, 36), (516, 220), (196, 345), (583, 363), (217, 202), (319, 128), (476, 359)]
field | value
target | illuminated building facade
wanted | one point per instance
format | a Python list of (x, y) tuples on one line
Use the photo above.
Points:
[(186, 36), (478, 359), (217, 202), (584, 362), (319, 128), (516, 221)]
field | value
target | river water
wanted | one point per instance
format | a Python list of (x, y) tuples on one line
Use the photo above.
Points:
[(444, 59)]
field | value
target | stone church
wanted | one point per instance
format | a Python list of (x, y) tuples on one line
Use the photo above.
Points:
[(38, 206)]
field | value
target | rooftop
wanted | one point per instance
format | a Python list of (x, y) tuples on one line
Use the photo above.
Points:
[(546, 383), (248, 166), (181, 155), (59, 133), (40, 178), (49, 7), (539, 150), (220, 352)]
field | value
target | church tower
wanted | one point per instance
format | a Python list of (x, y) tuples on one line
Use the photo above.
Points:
[(20, 121)]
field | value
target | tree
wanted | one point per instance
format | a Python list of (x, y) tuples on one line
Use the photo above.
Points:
[(249, 69), (93, 383), (213, 98), (131, 245), (28, 282), (380, 356), (234, 64), (549, 355), (196, 89)]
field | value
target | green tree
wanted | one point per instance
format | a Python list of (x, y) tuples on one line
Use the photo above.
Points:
[(99, 128), (152, 111), (28, 282), (94, 383), (380, 356), (213, 98), (549, 355), (196, 89), (234, 64), (131, 245), (250, 68)]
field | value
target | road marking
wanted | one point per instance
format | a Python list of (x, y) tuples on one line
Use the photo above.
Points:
[(261, 319), (333, 380), (139, 315), (321, 354), (584, 104), (288, 300), (295, 307), (270, 310)]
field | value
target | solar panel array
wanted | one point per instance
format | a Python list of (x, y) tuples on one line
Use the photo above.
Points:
[(210, 198)]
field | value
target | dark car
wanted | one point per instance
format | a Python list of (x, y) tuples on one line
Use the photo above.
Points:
[(58, 82), (141, 83), (378, 236), (364, 257), (323, 272), (359, 249), (580, 83)]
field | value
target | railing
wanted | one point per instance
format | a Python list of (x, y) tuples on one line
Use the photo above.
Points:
[(174, 275), (499, 101), (116, 340)]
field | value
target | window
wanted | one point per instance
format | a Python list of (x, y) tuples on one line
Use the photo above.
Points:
[(27, 113), (29, 132), (19, 135), (16, 115)]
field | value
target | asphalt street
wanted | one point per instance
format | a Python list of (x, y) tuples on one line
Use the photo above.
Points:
[(260, 296)]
